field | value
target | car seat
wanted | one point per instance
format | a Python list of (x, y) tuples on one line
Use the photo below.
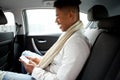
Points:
[(104, 60)]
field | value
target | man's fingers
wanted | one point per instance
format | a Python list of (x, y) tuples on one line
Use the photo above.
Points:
[(31, 62), (23, 62), (29, 57)]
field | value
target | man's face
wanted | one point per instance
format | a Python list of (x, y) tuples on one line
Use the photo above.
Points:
[(63, 19)]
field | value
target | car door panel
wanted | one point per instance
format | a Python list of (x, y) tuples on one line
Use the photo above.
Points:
[(41, 43), (6, 50)]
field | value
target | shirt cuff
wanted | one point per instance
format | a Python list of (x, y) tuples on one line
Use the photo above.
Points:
[(37, 73)]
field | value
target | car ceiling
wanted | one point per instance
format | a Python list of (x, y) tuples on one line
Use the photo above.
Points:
[(86, 4)]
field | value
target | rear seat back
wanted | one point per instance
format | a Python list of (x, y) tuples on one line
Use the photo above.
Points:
[(112, 26), (103, 62)]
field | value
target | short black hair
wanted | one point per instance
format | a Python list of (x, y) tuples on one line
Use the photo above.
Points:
[(65, 3)]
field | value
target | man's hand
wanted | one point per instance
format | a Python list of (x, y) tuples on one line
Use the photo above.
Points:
[(32, 63), (35, 60)]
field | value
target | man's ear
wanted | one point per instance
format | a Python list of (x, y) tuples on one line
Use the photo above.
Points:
[(71, 15)]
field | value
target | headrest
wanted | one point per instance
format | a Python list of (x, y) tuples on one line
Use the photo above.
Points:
[(110, 23), (3, 19), (97, 12)]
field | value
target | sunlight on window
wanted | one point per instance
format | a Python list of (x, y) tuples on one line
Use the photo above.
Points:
[(83, 18), (10, 26), (42, 21)]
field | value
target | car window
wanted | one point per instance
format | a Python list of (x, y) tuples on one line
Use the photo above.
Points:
[(42, 21), (10, 26)]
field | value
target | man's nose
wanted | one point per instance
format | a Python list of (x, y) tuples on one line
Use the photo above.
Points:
[(57, 20)]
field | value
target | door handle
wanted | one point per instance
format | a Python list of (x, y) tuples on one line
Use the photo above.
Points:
[(42, 41)]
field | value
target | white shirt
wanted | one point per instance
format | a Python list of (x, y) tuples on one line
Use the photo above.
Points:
[(69, 61)]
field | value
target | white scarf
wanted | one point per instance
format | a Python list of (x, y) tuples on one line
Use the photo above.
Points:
[(55, 49)]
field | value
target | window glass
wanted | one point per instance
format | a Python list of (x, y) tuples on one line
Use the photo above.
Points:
[(10, 26), (83, 18), (42, 21)]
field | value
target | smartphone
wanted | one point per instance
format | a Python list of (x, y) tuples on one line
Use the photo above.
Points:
[(26, 60)]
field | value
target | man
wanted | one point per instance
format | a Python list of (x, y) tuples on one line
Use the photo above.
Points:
[(65, 59)]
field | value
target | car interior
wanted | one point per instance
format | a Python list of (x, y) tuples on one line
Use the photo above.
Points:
[(102, 30)]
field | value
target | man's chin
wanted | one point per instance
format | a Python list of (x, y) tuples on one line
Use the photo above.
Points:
[(60, 27)]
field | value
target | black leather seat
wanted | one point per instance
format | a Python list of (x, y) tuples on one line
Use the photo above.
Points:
[(6, 46), (104, 60)]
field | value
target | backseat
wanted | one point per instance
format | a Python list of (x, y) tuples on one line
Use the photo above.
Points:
[(112, 25), (104, 60)]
